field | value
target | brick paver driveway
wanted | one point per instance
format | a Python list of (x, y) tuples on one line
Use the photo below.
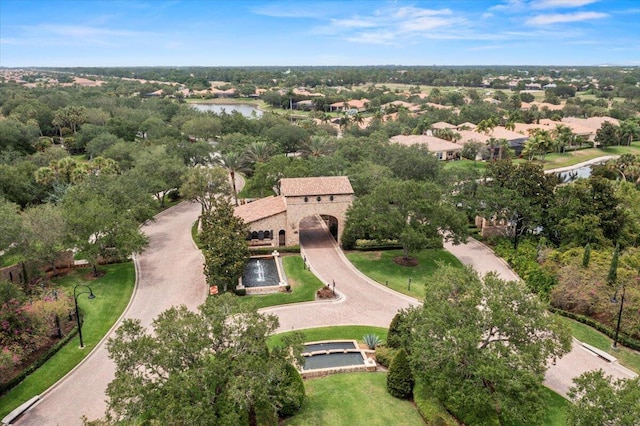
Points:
[(169, 273), (362, 301)]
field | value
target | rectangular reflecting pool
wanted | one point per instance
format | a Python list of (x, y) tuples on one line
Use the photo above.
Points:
[(327, 346), (334, 359), (261, 272)]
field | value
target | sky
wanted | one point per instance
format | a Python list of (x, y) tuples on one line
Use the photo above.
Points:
[(308, 32)]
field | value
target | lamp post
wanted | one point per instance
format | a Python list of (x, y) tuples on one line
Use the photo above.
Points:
[(615, 300), (75, 299)]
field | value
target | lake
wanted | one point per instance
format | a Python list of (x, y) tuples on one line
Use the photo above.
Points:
[(244, 109)]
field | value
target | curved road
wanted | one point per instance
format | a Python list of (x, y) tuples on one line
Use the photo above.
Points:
[(169, 273), (362, 301)]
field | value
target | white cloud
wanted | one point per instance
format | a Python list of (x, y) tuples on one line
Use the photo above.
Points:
[(556, 4), (558, 18), (510, 6)]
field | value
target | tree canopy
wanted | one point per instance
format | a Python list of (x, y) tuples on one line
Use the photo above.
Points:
[(483, 345), (207, 367), (416, 214)]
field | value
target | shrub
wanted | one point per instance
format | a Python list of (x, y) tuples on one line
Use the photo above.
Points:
[(371, 340), (240, 291), (431, 410), (400, 379), (293, 392), (395, 337), (384, 355)]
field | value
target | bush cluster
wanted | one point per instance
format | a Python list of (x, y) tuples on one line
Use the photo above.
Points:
[(400, 378)]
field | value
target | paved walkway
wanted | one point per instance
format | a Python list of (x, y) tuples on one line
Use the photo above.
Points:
[(169, 273)]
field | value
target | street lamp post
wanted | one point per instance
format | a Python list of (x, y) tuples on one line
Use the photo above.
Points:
[(615, 300), (75, 299)]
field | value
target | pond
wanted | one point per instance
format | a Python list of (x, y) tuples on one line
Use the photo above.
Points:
[(248, 111)]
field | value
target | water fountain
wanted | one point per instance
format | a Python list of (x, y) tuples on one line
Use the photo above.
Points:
[(263, 274)]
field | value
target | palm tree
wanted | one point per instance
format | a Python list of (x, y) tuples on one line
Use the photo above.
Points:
[(357, 118), (258, 152), (486, 126), (233, 162), (564, 137), (318, 146), (447, 134)]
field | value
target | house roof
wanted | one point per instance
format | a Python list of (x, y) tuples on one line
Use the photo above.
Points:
[(261, 208), (442, 125), (311, 186), (433, 143), (593, 123), (502, 133), (471, 136)]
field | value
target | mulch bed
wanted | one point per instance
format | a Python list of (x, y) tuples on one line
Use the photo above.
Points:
[(405, 261)]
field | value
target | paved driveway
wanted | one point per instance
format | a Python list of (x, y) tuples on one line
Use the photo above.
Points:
[(169, 273), (560, 375), (362, 301)]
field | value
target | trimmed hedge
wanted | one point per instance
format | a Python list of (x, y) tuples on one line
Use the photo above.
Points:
[(400, 378), (623, 339), (431, 410), (384, 355), (269, 250), (5, 387)]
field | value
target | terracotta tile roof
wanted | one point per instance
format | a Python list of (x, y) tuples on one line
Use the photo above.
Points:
[(442, 125), (433, 143), (592, 122), (471, 136), (260, 209), (324, 185)]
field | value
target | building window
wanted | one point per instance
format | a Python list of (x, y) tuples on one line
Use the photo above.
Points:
[(318, 198), (331, 198), (306, 199)]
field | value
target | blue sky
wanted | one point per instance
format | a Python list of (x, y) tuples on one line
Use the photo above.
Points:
[(242, 33)]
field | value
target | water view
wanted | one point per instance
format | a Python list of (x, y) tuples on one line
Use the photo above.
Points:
[(244, 109)]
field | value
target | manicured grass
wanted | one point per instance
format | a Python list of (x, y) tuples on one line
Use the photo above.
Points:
[(113, 292), (303, 286), (627, 357), (353, 399), (379, 266), (557, 408), (555, 160), (465, 164), (347, 332), (9, 259)]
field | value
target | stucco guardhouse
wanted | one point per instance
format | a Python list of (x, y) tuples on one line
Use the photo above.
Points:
[(275, 221)]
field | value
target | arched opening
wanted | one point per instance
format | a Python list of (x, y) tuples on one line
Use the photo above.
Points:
[(281, 238), (332, 225), (254, 235)]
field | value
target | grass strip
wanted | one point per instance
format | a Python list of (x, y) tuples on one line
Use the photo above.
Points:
[(339, 332), (113, 292), (379, 266), (627, 357), (353, 399), (304, 285)]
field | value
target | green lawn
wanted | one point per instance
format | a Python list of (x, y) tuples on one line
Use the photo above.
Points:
[(346, 332), (465, 164), (627, 357), (303, 286), (353, 399), (557, 408), (556, 160), (379, 266), (113, 292)]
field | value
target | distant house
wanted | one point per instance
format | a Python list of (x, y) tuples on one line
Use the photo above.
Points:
[(442, 149), (360, 105), (441, 125), (533, 86), (306, 105)]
